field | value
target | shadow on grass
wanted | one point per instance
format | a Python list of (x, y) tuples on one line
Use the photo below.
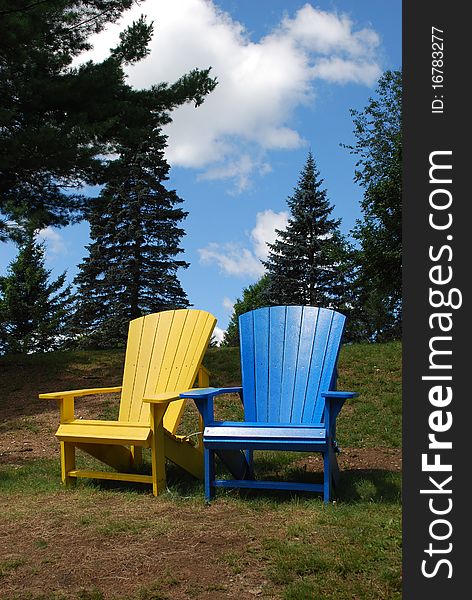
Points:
[(355, 485), (374, 485), (179, 483)]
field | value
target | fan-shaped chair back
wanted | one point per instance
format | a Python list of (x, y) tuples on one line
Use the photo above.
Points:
[(288, 357), (163, 354)]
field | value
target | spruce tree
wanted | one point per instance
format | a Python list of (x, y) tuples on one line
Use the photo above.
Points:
[(131, 268), (33, 309), (307, 262)]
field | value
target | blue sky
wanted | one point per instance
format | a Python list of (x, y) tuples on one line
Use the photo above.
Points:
[(288, 74)]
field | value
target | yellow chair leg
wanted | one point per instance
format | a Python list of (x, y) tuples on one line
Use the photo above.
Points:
[(158, 458), (67, 463), (136, 456)]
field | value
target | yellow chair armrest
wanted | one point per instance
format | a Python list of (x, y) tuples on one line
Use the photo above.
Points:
[(164, 397), (78, 393), (66, 399)]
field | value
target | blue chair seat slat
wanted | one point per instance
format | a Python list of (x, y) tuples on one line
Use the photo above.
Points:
[(272, 425), (288, 445), (270, 433)]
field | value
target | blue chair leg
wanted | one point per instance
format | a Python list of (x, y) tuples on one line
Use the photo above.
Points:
[(250, 462), (327, 477), (209, 460)]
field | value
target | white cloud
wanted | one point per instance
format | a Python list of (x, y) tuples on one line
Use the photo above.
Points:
[(218, 335), (53, 240), (228, 304), (260, 82), (329, 32), (339, 70), (267, 222), (239, 170), (234, 259)]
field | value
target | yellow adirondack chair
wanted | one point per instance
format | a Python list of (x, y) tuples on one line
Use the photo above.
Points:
[(163, 357)]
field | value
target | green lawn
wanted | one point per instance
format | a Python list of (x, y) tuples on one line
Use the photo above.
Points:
[(104, 541)]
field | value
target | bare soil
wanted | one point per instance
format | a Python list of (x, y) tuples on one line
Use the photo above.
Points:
[(186, 551)]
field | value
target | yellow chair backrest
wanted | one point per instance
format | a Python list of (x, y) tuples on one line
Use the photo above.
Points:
[(163, 354)]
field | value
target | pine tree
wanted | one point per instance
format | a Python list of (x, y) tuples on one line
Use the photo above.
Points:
[(307, 263), (133, 259), (60, 123), (378, 281), (33, 309)]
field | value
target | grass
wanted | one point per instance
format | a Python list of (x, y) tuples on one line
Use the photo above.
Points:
[(244, 545)]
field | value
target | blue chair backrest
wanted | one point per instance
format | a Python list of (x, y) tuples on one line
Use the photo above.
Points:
[(288, 357)]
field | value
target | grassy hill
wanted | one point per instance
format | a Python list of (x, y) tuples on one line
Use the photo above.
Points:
[(373, 370), (102, 541)]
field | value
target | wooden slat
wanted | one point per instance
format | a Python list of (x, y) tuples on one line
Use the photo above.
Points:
[(102, 423), (164, 331), (268, 433), (197, 347), (261, 347), (272, 425), (276, 349), (305, 350), (180, 365), (195, 342), (132, 477), (246, 331), (131, 361), (292, 338), (180, 316), (103, 433), (148, 337), (329, 364), (322, 332), (179, 371)]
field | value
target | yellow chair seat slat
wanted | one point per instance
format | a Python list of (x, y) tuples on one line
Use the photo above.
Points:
[(104, 431)]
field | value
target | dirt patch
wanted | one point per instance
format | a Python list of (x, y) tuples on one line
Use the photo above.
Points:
[(30, 435), (382, 459), (183, 553)]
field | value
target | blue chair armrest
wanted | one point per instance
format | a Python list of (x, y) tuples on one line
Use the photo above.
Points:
[(203, 398), (339, 395), (334, 403)]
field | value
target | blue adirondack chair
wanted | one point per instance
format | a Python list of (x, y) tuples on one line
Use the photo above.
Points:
[(288, 365)]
